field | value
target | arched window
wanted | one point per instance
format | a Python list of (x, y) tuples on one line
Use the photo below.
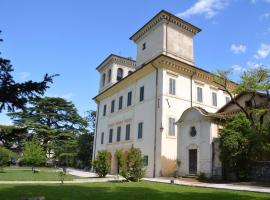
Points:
[(109, 75), (129, 72), (103, 79), (119, 74)]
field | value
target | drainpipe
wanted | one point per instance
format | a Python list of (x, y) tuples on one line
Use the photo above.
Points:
[(191, 89), (95, 135), (155, 138)]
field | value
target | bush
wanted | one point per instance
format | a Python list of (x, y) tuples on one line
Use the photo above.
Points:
[(4, 158), (121, 157), (102, 163), (135, 164), (201, 176), (33, 153), (130, 164)]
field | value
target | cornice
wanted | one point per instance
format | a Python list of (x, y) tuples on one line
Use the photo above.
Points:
[(164, 16), (118, 60)]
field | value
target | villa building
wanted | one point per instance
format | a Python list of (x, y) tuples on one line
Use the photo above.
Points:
[(159, 100)]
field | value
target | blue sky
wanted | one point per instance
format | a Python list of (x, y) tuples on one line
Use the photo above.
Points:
[(72, 37)]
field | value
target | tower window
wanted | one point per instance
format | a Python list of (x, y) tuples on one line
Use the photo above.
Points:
[(214, 98), (129, 98), (103, 79), (109, 75), (119, 74), (199, 94), (143, 46), (142, 93), (172, 86)]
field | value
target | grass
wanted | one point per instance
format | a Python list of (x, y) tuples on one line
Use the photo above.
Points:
[(26, 174), (123, 191)]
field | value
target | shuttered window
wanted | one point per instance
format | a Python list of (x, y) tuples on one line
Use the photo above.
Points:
[(102, 138), (172, 86), (171, 126), (127, 131), (120, 105), (129, 99), (199, 94), (142, 93), (140, 130), (118, 136), (110, 135), (214, 98)]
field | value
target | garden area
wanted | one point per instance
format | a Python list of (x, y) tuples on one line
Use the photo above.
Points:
[(26, 174), (119, 191)]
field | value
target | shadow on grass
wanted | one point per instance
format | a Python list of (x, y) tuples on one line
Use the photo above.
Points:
[(122, 191)]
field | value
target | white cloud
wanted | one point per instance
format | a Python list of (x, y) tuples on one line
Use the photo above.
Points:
[(263, 51), (237, 49), (67, 96), (209, 8), (265, 16), (238, 68), (24, 76)]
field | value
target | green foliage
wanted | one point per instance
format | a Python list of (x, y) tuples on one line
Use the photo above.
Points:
[(135, 164), (12, 137), (56, 123), (33, 153), (62, 176), (5, 156), (130, 164), (85, 148), (236, 145), (201, 176), (102, 163), (122, 163)]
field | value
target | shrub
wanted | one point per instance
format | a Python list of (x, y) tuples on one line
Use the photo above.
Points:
[(4, 158), (201, 176), (33, 153), (121, 157), (102, 163)]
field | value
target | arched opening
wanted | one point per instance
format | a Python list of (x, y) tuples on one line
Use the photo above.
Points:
[(119, 74), (109, 75), (103, 79)]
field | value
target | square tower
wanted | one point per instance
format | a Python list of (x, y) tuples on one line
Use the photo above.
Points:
[(165, 34)]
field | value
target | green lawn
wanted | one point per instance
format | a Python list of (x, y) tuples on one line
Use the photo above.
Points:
[(26, 174), (123, 191)]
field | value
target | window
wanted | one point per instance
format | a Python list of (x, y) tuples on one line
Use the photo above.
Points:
[(103, 79), (119, 74), (129, 99), (104, 109), (143, 46), (199, 94), (142, 93), (102, 137), (127, 131), (140, 130), (118, 136), (130, 72), (172, 86), (171, 126), (109, 75), (214, 98), (112, 106), (227, 99), (145, 160), (120, 103), (111, 135)]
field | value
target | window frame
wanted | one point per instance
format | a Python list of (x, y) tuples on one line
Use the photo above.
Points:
[(199, 98), (127, 136), (112, 106), (102, 138), (172, 86), (214, 99), (104, 109), (141, 94), (110, 136), (118, 134), (129, 98), (171, 127), (120, 103), (140, 130)]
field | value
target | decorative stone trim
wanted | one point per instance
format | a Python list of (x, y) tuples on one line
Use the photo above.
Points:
[(164, 16)]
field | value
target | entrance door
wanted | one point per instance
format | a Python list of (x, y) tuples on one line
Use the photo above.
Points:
[(193, 161)]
